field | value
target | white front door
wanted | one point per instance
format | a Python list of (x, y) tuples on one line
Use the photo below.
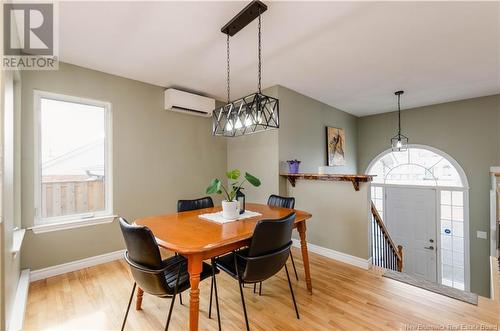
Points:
[(410, 217)]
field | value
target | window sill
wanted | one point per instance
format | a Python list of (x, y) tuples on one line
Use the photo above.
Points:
[(73, 224)]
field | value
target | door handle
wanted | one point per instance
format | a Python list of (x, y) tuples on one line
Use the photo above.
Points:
[(430, 247)]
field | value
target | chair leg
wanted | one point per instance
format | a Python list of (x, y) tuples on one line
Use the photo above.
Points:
[(254, 287), (243, 303), (291, 291), (293, 264), (170, 311), (173, 298), (260, 288), (128, 307), (240, 285), (216, 294), (211, 294)]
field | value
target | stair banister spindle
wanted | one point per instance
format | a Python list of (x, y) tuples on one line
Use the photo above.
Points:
[(386, 249), (374, 251), (378, 245)]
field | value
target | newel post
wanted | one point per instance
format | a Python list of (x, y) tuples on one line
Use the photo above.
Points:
[(400, 261)]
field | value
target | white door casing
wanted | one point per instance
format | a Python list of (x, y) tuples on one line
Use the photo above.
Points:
[(411, 220)]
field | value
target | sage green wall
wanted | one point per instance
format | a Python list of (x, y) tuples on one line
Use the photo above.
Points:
[(340, 215), (158, 157), (302, 136), (302, 133), (258, 155), (467, 130)]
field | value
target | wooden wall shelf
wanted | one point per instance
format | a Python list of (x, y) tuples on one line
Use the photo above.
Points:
[(354, 179)]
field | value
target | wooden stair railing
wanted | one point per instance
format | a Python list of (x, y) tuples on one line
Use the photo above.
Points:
[(385, 253)]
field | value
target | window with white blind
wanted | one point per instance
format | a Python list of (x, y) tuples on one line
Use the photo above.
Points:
[(73, 177)]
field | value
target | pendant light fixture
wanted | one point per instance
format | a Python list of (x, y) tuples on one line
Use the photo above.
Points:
[(399, 142), (256, 112)]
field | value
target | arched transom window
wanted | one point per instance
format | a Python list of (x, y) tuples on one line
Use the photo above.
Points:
[(416, 166)]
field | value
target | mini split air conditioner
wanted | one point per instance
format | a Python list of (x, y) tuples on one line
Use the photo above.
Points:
[(188, 103)]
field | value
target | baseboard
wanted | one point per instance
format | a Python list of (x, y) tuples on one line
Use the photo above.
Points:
[(75, 265), (108, 257), (17, 316), (335, 255)]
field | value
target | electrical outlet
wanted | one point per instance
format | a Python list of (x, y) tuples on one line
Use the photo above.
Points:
[(482, 234)]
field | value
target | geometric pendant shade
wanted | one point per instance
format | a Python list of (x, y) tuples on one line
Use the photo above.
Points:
[(254, 113), (399, 143)]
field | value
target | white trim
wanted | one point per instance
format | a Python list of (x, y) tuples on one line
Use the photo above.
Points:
[(466, 239), (438, 190), (108, 167), (17, 241), (336, 255), (493, 221), (20, 302), (446, 188), (458, 167), (72, 224), (75, 265)]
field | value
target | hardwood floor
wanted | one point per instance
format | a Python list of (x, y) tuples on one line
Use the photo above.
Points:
[(344, 298)]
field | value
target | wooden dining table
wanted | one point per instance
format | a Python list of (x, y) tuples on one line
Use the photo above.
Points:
[(199, 239)]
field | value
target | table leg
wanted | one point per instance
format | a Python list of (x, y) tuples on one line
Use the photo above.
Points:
[(194, 269), (138, 303), (301, 228)]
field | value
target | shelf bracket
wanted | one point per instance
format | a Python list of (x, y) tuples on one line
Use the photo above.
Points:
[(355, 183), (291, 180)]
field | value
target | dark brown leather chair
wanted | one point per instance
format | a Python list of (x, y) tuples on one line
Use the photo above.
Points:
[(161, 278), (266, 256)]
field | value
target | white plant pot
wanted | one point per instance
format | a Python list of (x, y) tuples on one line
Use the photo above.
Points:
[(230, 210)]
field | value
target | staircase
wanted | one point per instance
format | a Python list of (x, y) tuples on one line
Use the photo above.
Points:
[(385, 253)]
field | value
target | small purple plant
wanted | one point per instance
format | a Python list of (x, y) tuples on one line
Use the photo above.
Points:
[(293, 166)]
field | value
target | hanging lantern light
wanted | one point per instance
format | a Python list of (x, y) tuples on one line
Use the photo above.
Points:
[(399, 142), (256, 112)]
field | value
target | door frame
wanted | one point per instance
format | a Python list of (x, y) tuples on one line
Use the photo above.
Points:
[(438, 190), (465, 189)]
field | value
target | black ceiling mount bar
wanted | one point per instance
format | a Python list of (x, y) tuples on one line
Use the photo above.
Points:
[(244, 17)]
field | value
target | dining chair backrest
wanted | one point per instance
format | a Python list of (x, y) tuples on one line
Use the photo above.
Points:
[(144, 258), (187, 205), (269, 248), (279, 201)]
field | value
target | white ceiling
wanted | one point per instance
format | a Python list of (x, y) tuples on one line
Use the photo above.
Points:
[(350, 55)]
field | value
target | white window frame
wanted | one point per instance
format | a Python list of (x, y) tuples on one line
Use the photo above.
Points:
[(74, 220), (464, 188), (466, 232)]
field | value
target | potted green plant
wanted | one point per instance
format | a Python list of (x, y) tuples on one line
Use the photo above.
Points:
[(230, 209)]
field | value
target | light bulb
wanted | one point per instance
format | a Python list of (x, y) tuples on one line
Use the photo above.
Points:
[(248, 122), (259, 118), (238, 124), (399, 144)]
